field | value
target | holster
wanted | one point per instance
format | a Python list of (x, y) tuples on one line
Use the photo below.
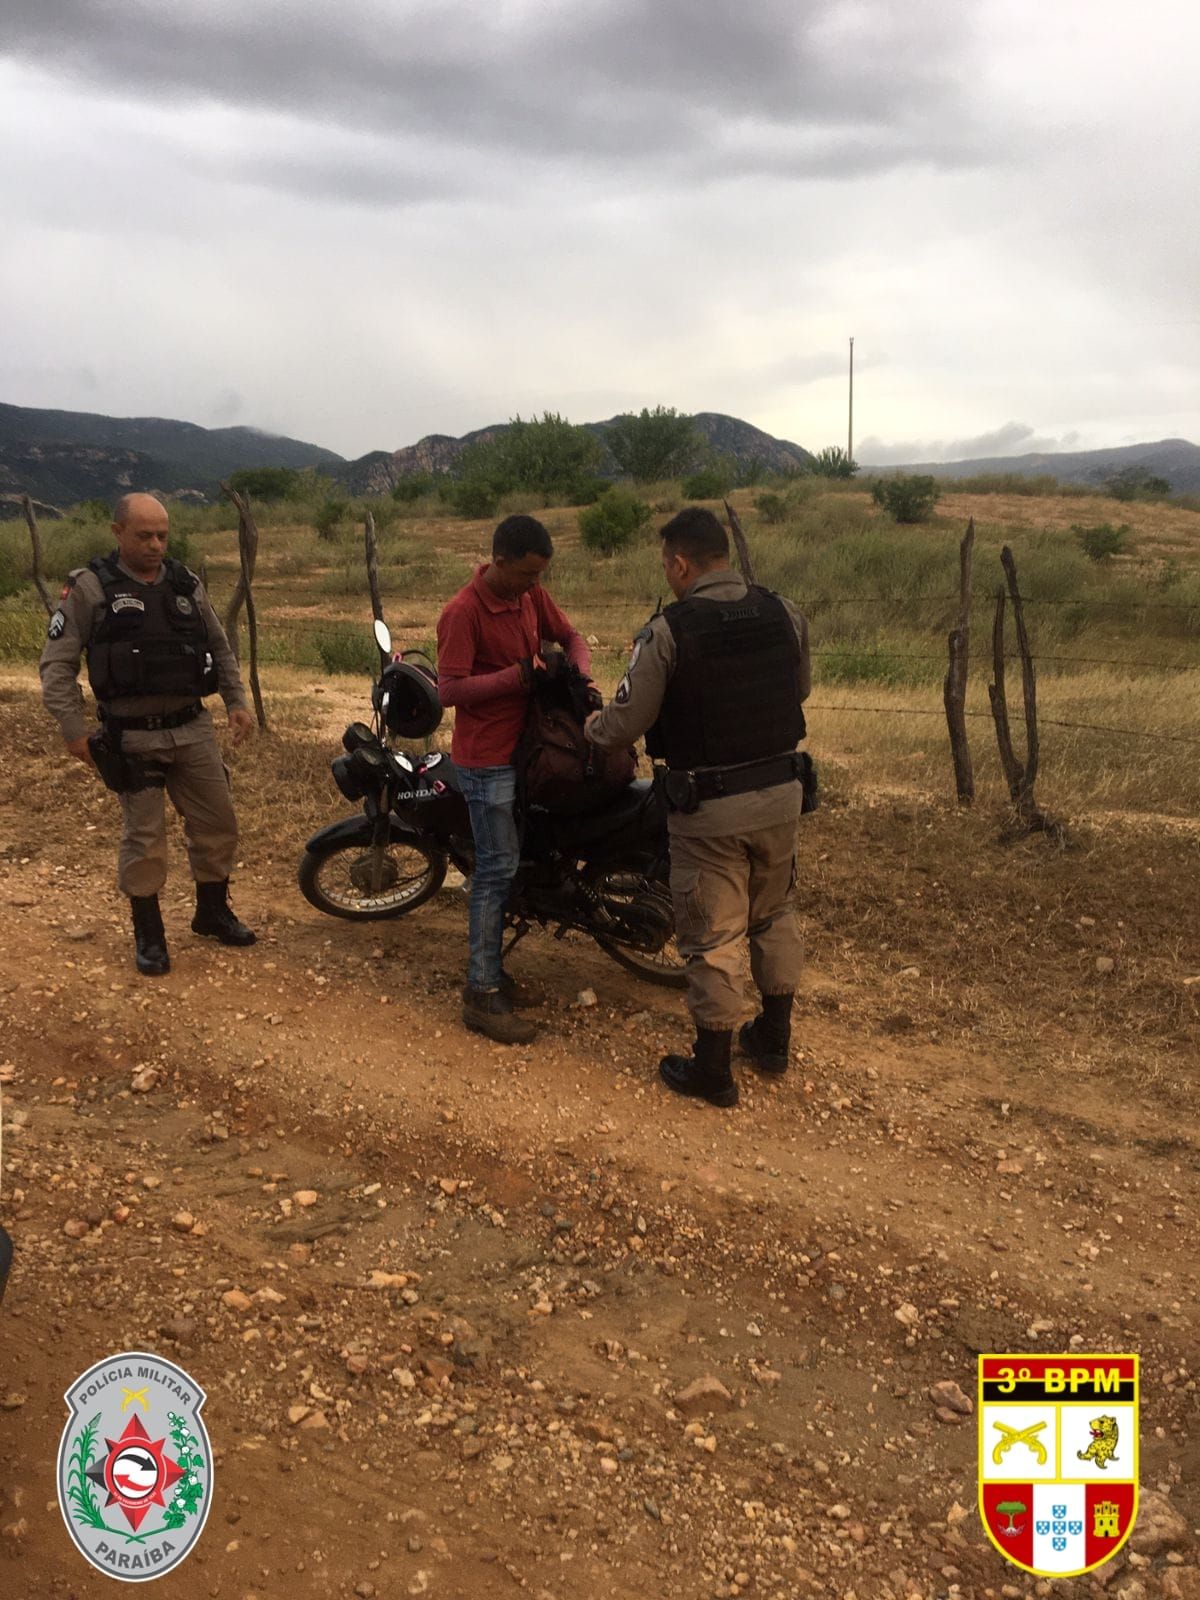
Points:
[(122, 773), (810, 794)]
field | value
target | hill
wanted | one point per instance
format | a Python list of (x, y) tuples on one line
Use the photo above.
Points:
[(64, 456), (379, 471), (1176, 460)]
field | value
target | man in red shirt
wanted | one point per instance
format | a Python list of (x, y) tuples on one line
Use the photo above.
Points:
[(489, 639)]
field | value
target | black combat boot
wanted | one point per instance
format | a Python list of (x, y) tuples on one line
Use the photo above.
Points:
[(490, 1012), (215, 917), (705, 1073), (149, 936), (766, 1039)]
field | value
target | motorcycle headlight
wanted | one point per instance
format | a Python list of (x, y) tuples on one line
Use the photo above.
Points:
[(361, 772), (357, 735)]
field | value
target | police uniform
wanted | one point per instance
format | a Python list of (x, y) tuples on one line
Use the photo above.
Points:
[(717, 683), (154, 650)]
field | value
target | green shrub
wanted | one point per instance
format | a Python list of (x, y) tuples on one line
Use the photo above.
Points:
[(179, 546), (711, 482), (612, 522), (907, 497), (772, 507), (412, 487), (266, 483), (1136, 483), (12, 571), (345, 647), (1102, 541), (833, 462), (94, 511), (654, 444), (474, 497), (329, 514)]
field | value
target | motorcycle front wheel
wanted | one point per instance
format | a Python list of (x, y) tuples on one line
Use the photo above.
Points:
[(627, 894), (371, 882)]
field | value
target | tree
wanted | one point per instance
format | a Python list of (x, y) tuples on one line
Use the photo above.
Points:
[(1136, 483), (548, 455), (328, 516), (654, 444), (612, 522), (266, 483), (907, 498), (833, 462), (412, 486), (1011, 1509)]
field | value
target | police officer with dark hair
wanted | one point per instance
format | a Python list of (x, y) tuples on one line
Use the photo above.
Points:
[(154, 649), (717, 683)]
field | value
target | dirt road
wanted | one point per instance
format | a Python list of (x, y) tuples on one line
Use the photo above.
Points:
[(985, 1142)]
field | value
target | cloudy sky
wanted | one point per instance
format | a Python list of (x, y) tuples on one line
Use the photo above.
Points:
[(361, 222)]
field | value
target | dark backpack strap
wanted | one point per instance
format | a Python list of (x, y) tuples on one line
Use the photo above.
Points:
[(106, 569), (182, 579)]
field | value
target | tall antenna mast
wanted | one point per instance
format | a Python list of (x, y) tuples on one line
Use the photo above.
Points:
[(850, 428)]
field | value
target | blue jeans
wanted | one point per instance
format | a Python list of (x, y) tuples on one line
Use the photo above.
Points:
[(490, 793)]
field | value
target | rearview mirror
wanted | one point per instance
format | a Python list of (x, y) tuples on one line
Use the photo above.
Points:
[(383, 637)]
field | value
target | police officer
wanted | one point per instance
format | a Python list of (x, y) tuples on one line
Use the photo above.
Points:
[(716, 682), (154, 648)]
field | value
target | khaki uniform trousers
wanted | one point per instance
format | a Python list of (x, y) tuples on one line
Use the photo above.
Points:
[(198, 784), (725, 888)]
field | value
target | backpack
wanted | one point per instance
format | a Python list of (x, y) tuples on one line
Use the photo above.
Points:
[(558, 767)]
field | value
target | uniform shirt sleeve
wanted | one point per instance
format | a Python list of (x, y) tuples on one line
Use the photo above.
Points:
[(69, 629), (639, 697), (800, 623), (229, 675), (557, 626), (458, 683)]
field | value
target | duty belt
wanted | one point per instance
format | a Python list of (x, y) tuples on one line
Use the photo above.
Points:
[(720, 781), (152, 724)]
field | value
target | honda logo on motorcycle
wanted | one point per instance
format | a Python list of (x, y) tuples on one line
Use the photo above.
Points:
[(1058, 1458)]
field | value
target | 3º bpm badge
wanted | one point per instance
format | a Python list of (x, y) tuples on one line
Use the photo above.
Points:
[(1058, 1458), (135, 1466)]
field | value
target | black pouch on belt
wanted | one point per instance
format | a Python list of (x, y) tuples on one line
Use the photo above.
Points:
[(809, 790), (681, 792), (123, 774)]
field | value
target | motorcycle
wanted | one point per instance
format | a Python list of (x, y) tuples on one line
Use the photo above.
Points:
[(603, 874)]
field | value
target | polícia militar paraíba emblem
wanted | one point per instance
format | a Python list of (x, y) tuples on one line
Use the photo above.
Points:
[(135, 1467)]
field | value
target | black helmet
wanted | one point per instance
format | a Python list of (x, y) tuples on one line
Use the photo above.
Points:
[(408, 699)]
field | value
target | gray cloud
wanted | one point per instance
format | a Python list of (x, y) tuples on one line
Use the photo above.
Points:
[(653, 89), (1011, 439)]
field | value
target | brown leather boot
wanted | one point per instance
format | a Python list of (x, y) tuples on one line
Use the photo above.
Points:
[(490, 1012)]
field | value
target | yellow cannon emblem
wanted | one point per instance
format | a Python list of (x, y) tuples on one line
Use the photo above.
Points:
[(1013, 1436)]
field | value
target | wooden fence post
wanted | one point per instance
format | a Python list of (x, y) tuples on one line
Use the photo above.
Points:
[(244, 594), (1020, 778), (247, 533), (739, 540), (954, 690), (35, 540)]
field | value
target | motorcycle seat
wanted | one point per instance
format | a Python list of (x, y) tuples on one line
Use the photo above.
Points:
[(624, 810)]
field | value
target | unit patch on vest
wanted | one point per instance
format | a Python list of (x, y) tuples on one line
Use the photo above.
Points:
[(183, 604), (128, 602), (57, 623)]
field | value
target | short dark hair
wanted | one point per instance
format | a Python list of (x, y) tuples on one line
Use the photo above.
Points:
[(696, 533), (521, 536)]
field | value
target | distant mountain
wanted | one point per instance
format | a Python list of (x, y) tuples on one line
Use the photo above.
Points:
[(64, 456), (1173, 459), (378, 472)]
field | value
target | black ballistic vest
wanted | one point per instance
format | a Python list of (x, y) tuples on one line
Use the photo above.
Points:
[(151, 637), (735, 692)]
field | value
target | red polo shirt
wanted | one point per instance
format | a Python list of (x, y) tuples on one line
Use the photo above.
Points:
[(481, 642)]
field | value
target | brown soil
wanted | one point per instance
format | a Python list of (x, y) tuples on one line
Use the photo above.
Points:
[(978, 1123)]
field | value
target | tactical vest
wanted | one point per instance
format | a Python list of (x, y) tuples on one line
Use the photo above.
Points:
[(151, 638), (735, 693)]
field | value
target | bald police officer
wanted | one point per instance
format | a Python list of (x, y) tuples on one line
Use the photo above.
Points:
[(717, 683), (154, 649)]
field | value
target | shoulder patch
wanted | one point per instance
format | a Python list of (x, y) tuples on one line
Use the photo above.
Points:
[(624, 690), (57, 623)]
